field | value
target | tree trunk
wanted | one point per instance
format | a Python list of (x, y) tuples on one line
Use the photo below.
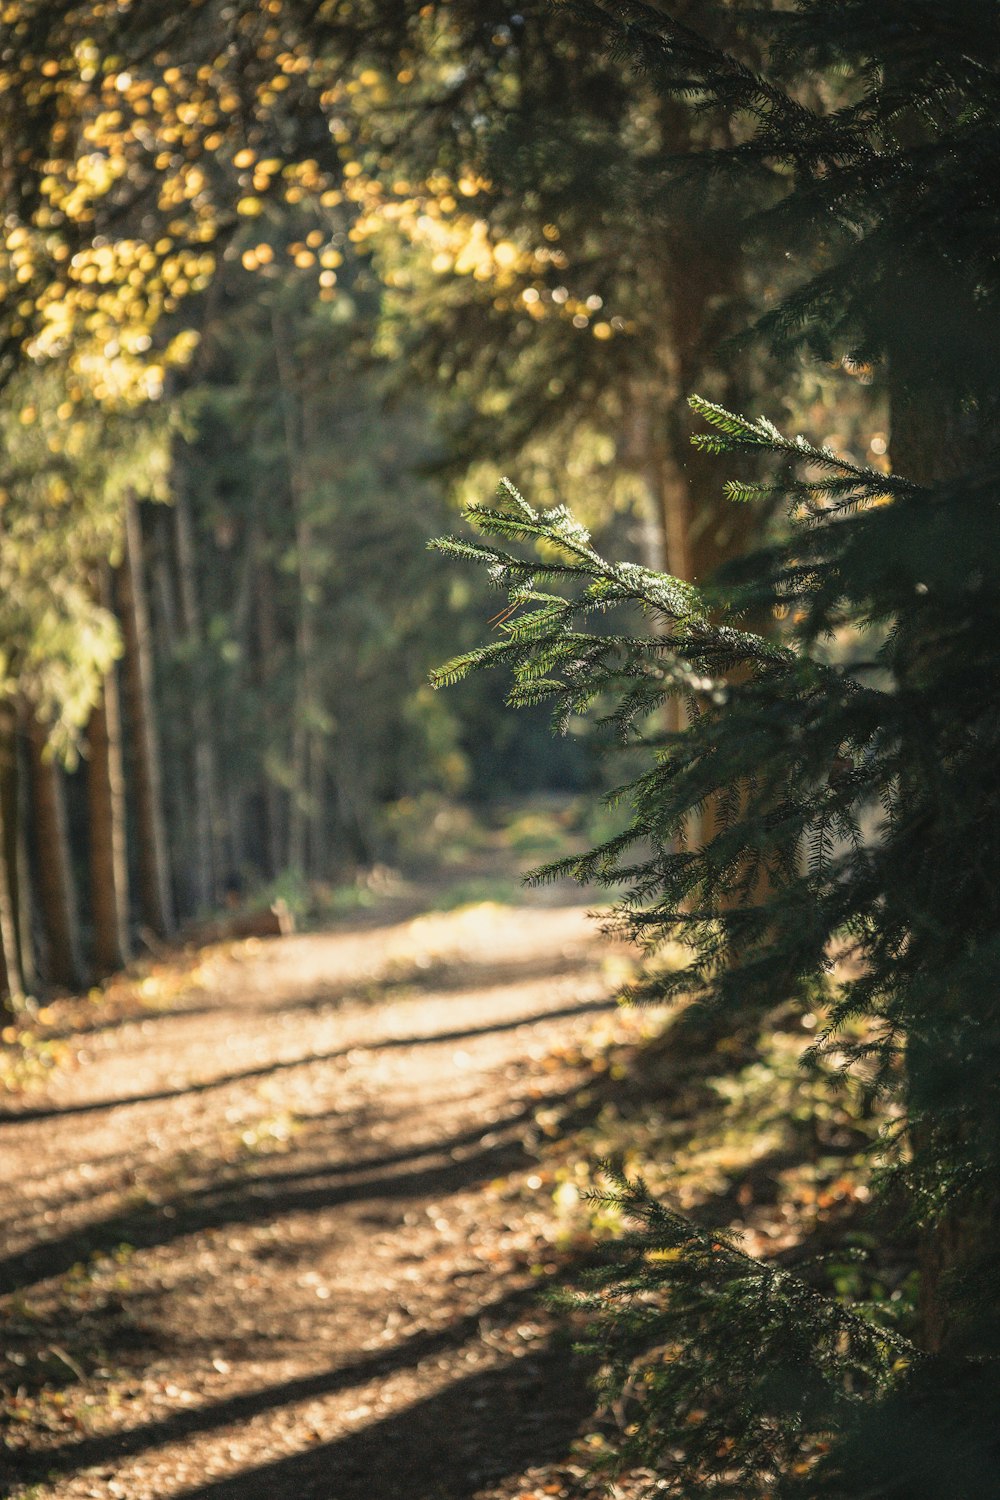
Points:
[(702, 293), (56, 894), (297, 416), (11, 975), (164, 594), (267, 647), (174, 728), (15, 852), (644, 451), (11, 990), (106, 816), (155, 900), (206, 874), (926, 448), (27, 931), (244, 839), (936, 434), (702, 290), (698, 278), (314, 769)]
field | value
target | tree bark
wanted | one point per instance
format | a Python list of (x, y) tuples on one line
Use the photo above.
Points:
[(644, 451), (698, 279), (267, 646), (206, 873), (245, 841), (11, 975), (12, 790), (296, 414), (106, 816), (155, 899), (936, 434), (27, 926), (56, 894), (174, 728)]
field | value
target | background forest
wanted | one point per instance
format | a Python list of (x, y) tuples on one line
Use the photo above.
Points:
[(283, 286), (254, 389)]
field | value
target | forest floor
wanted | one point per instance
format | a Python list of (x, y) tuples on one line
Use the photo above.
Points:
[(270, 1227), (278, 1216)]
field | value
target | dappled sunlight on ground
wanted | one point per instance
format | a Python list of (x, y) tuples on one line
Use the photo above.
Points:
[(280, 1216), (262, 1242)]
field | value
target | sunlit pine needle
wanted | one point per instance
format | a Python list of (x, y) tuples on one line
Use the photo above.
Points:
[(503, 615)]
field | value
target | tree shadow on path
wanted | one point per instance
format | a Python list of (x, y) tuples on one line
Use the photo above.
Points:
[(471, 1158), (265, 1070), (448, 1446), (477, 1407)]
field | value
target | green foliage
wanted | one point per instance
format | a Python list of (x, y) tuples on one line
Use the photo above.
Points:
[(312, 494), (65, 469), (868, 134), (832, 786), (732, 1377), (614, 288), (319, 616)]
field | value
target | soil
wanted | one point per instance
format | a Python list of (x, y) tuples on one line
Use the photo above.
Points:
[(272, 1238)]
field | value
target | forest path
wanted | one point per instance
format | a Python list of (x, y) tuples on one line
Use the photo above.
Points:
[(263, 1243)]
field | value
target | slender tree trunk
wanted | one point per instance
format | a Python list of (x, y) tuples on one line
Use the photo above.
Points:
[(703, 294), (207, 872), (164, 594), (27, 927), (173, 728), (243, 837), (11, 989), (11, 977), (297, 416), (267, 647), (106, 815), (936, 430), (56, 894), (155, 900), (12, 793), (699, 280), (314, 769), (645, 451), (931, 438)]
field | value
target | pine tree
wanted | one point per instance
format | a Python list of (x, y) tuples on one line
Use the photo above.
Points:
[(875, 193), (154, 893), (861, 807), (61, 961), (559, 337), (883, 203)]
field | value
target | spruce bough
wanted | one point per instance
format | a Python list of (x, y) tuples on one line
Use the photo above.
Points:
[(834, 786)]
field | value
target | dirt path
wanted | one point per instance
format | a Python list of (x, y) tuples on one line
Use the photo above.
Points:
[(262, 1244)]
